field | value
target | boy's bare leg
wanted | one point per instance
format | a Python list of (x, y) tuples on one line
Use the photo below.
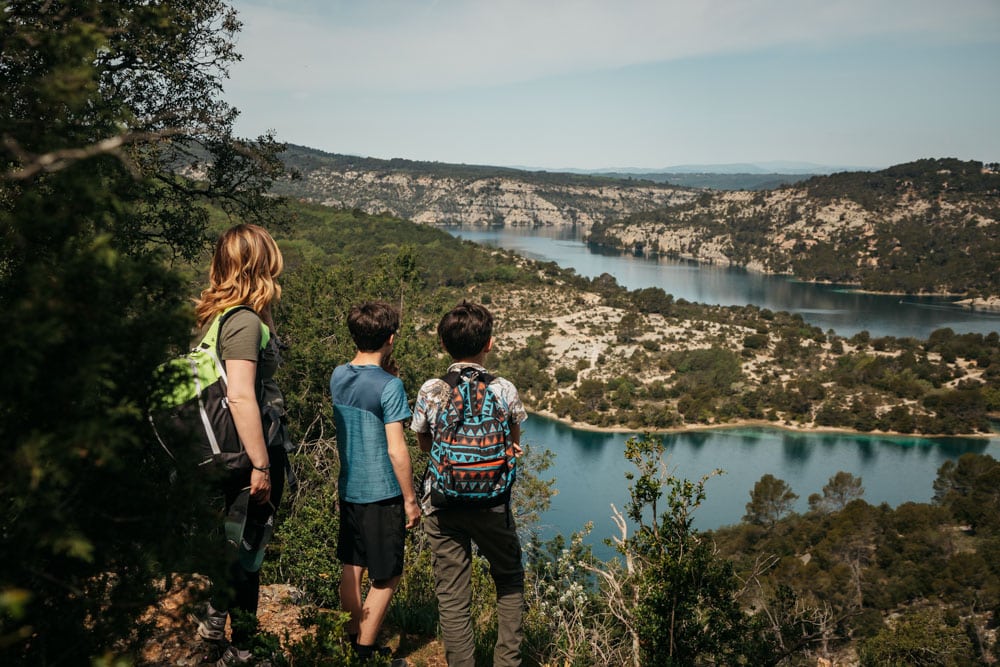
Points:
[(350, 596), (375, 608)]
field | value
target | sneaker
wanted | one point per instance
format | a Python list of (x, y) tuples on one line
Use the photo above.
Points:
[(368, 653), (234, 656), (212, 625)]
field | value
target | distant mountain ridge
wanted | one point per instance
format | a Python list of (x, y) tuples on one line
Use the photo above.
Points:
[(737, 176), (769, 167), (932, 225), (449, 194)]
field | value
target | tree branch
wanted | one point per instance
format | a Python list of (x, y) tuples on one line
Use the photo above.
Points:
[(33, 164)]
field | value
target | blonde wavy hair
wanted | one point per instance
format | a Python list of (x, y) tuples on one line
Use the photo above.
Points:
[(245, 265)]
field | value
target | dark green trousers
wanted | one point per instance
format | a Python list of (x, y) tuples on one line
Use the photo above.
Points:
[(451, 533)]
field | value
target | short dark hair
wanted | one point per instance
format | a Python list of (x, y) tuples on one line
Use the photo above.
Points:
[(466, 329), (371, 324)]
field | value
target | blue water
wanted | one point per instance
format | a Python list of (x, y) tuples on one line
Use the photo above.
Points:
[(590, 469), (827, 306), (590, 466)]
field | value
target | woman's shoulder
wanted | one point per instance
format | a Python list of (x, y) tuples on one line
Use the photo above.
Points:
[(243, 317), (241, 335)]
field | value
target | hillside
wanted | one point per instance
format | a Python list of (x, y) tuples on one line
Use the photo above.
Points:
[(926, 226), (444, 194), (589, 352)]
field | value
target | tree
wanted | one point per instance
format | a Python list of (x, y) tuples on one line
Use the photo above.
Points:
[(838, 492), (923, 639), (970, 489), (770, 500), (100, 103), (629, 327), (685, 598), (591, 393)]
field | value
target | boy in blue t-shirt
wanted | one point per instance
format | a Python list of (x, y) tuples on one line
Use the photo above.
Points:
[(377, 499)]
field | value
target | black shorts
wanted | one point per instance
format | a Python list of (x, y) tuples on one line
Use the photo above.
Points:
[(372, 535)]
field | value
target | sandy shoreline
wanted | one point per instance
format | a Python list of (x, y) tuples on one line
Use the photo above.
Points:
[(754, 423)]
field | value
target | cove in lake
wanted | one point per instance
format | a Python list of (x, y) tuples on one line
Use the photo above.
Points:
[(590, 468), (827, 306)]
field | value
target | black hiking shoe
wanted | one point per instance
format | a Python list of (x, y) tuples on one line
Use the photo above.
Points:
[(234, 656), (368, 653)]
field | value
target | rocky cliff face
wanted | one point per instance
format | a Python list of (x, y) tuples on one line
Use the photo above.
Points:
[(490, 200), (709, 231), (930, 226)]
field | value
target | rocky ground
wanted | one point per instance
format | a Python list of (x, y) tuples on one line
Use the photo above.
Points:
[(175, 643)]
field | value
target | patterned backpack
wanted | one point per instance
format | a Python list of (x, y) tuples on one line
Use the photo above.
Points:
[(472, 460)]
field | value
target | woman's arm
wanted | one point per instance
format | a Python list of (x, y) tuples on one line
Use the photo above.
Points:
[(242, 397)]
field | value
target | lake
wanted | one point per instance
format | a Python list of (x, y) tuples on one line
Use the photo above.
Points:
[(590, 469), (590, 466), (827, 306)]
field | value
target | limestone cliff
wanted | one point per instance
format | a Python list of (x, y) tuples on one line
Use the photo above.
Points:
[(432, 193), (927, 226)]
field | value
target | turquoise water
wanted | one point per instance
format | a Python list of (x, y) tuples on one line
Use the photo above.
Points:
[(590, 467)]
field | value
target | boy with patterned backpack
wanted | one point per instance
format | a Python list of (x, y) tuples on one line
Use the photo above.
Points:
[(470, 422)]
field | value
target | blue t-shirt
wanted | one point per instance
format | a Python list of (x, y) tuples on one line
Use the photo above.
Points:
[(365, 399)]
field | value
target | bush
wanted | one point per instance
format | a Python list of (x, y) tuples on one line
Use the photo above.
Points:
[(565, 375)]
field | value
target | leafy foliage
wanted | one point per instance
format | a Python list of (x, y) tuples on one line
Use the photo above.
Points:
[(970, 489), (688, 598), (904, 586), (923, 639), (770, 499), (100, 102)]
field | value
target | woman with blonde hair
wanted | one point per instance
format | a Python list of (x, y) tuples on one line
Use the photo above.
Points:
[(245, 266)]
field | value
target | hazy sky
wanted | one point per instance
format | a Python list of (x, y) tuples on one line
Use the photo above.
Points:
[(624, 83)]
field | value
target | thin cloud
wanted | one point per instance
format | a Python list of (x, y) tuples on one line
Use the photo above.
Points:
[(414, 45)]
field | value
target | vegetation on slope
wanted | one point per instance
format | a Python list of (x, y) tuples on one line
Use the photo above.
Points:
[(96, 229), (99, 101), (305, 160), (593, 353), (925, 226)]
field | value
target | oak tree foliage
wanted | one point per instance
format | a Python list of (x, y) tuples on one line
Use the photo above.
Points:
[(102, 105)]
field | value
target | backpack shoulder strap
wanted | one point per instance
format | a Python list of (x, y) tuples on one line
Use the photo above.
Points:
[(213, 339), (451, 378), (469, 372)]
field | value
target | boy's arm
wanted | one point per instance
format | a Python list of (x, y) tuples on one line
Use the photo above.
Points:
[(403, 469), (515, 438), (420, 422)]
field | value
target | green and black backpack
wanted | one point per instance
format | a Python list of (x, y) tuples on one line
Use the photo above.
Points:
[(189, 409)]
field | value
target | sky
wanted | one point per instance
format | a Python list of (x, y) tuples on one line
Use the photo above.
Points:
[(605, 84)]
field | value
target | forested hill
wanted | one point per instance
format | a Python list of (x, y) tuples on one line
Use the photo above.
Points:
[(440, 193), (926, 226)]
